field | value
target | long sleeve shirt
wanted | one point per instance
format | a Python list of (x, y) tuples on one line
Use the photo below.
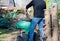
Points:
[(38, 6)]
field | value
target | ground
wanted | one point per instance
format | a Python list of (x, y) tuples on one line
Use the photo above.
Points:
[(10, 35)]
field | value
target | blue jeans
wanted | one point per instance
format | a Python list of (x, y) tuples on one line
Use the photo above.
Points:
[(34, 22)]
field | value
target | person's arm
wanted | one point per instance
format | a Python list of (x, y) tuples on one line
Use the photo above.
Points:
[(29, 5), (45, 6)]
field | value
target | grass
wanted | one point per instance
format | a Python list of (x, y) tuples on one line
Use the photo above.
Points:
[(5, 34), (2, 30), (2, 34)]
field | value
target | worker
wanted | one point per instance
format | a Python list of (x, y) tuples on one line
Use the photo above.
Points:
[(38, 6)]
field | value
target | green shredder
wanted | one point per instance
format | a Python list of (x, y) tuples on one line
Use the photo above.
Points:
[(22, 24)]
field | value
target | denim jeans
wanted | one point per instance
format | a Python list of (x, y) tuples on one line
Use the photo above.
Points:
[(35, 21)]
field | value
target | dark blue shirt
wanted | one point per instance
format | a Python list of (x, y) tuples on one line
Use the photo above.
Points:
[(39, 6)]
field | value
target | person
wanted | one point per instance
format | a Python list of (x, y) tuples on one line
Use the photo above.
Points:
[(38, 6)]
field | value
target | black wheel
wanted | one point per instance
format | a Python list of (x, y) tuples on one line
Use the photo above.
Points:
[(19, 38)]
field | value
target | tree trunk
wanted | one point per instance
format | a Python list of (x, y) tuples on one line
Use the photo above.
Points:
[(54, 13), (47, 27)]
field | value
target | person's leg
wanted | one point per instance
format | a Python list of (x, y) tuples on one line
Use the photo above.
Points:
[(41, 28), (32, 27)]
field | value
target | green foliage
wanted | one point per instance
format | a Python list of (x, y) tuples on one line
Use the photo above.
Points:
[(4, 23), (13, 14), (10, 16), (59, 14)]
